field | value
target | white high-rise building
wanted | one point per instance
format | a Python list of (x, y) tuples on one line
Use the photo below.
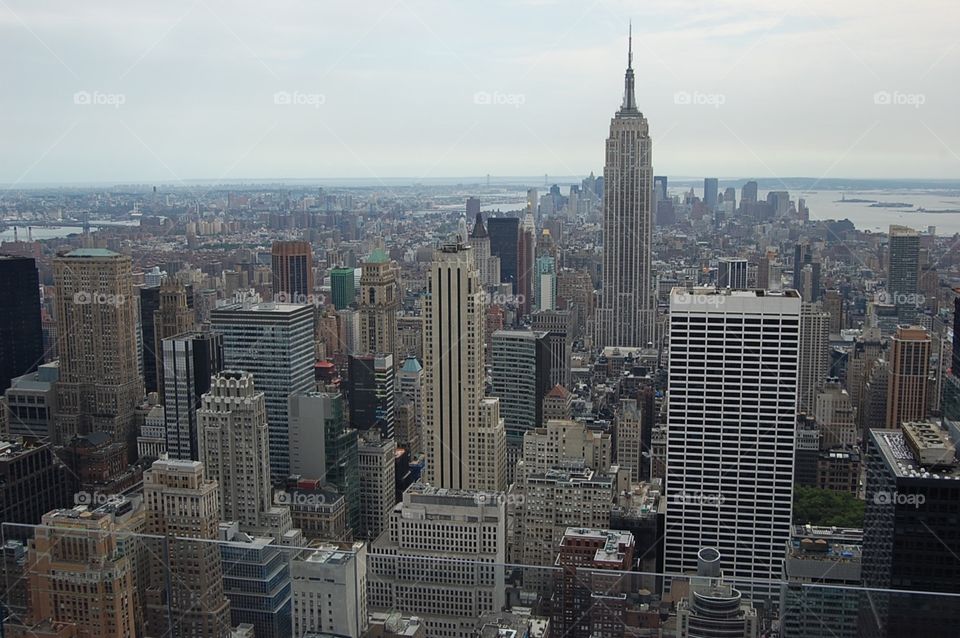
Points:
[(627, 313), (464, 436), (330, 591), (442, 559), (732, 395), (235, 451), (273, 342)]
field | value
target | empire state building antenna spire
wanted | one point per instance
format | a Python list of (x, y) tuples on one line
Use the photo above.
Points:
[(629, 100)]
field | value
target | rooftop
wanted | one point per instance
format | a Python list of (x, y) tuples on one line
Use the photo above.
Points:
[(903, 463), (91, 253)]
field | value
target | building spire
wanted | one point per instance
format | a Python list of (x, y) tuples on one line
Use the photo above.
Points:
[(629, 99)]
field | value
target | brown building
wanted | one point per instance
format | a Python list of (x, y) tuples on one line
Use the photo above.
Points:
[(100, 384), (186, 579), (839, 470), (82, 575), (591, 583), (292, 271), (909, 369)]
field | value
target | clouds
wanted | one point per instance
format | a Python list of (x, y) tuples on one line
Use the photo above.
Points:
[(399, 78)]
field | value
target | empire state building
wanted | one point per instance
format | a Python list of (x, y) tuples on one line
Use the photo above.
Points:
[(626, 313)]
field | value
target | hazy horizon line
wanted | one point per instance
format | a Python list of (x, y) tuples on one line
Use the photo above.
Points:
[(532, 181)]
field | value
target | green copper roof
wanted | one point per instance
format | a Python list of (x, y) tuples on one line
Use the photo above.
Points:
[(378, 256)]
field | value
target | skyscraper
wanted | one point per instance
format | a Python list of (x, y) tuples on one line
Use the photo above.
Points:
[(234, 447), (526, 251), (379, 303), (521, 379), (626, 314), (710, 188), (326, 448), (292, 271), (375, 455), (732, 273), (173, 317), (730, 461), (910, 536), (463, 433), (903, 266), (489, 265), (273, 342), (504, 244), (907, 384), (21, 335), (100, 384), (371, 388), (81, 573), (342, 287), (190, 360), (814, 354), (748, 194), (185, 594)]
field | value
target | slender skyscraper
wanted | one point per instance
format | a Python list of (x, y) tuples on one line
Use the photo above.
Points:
[(626, 313), (379, 302), (463, 433)]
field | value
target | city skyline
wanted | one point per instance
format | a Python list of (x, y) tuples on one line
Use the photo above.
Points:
[(149, 90), (618, 406)]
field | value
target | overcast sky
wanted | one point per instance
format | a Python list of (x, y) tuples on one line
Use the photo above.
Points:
[(112, 90)]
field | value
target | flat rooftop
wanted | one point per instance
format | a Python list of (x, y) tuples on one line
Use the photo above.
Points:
[(902, 462), (788, 293)]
